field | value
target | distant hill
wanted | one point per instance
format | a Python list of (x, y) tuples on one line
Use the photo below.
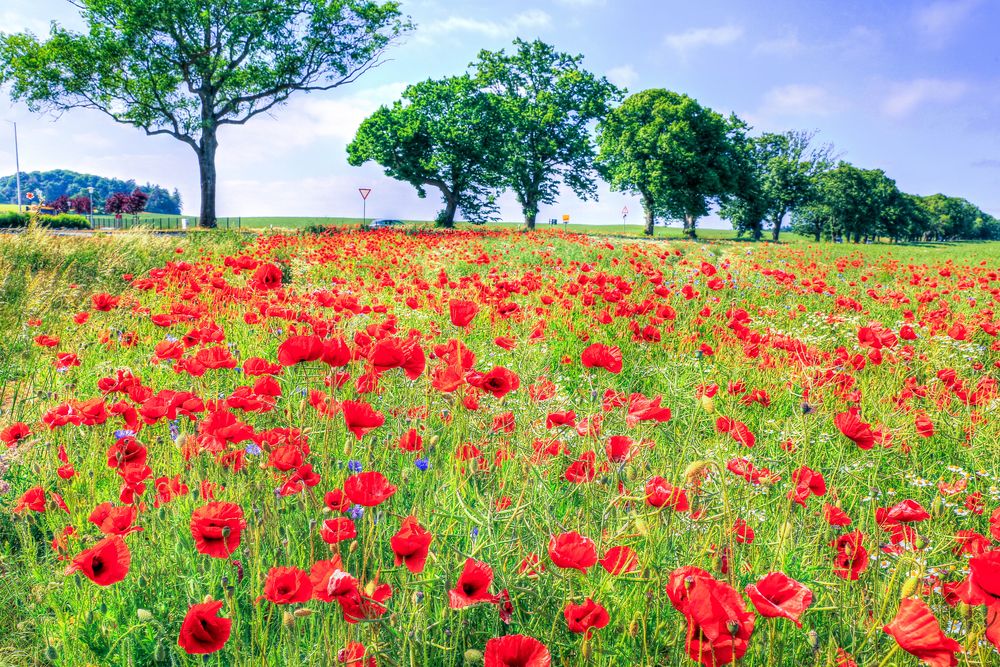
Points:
[(60, 182)]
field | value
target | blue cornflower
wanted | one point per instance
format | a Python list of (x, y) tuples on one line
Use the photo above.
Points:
[(422, 464), (475, 533), (123, 433), (354, 466), (356, 512), (253, 450), (175, 429)]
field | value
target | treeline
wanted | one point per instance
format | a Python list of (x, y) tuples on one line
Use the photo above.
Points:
[(63, 185), (534, 119)]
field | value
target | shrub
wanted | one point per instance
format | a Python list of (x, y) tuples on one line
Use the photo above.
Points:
[(15, 220)]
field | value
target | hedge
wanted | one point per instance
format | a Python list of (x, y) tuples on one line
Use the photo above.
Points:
[(13, 219)]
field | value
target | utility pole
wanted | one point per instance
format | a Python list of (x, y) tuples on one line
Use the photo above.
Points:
[(17, 166)]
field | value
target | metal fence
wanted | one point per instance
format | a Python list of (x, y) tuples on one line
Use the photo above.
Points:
[(159, 223)]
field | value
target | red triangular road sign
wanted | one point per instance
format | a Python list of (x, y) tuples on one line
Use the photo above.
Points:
[(365, 192)]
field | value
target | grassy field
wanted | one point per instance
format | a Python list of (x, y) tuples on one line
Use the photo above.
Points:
[(179, 381)]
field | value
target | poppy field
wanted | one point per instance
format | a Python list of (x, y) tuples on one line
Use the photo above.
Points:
[(411, 448)]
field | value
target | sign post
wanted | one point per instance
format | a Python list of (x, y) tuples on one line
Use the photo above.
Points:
[(364, 202), (566, 218), (624, 215)]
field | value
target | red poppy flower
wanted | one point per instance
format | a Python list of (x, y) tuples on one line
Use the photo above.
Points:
[(661, 493), (14, 433), (719, 625), (850, 424), (287, 585), (620, 560), (202, 630), (320, 575), (361, 418), (216, 528), (337, 530), (298, 349), (835, 516), (737, 430), (498, 381), (112, 520), (105, 563), (266, 277), (462, 312), (572, 551), (602, 356), (32, 500), (354, 655), (516, 651), (777, 595), (473, 586), (852, 558), (585, 618), (679, 583), (918, 632), (410, 545), (368, 488)]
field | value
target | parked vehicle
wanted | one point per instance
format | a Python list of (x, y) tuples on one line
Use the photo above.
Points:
[(384, 223)]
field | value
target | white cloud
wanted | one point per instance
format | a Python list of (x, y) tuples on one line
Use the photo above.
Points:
[(939, 21), (526, 20), (799, 100), (624, 76), (905, 98), (580, 4), (695, 38)]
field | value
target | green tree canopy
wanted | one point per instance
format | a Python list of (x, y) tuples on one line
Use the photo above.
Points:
[(186, 68), (439, 135), (65, 183), (675, 154), (545, 104), (781, 174)]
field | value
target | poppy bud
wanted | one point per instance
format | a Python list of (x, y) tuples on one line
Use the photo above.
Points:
[(733, 627), (287, 619), (50, 653), (88, 618), (103, 608), (160, 652), (937, 507), (353, 547), (303, 613), (473, 658), (694, 472), (909, 587), (964, 609), (813, 640), (633, 628)]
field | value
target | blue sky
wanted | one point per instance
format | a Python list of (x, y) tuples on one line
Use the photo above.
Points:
[(909, 87)]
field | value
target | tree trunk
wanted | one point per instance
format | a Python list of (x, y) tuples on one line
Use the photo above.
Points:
[(450, 207), (689, 226), (206, 166), (776, 232), (529, 219), (816, 235), (647, 209), (757, 232)]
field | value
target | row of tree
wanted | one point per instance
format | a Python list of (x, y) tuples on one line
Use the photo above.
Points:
[(63, 183), (528, 122), (522, 122)]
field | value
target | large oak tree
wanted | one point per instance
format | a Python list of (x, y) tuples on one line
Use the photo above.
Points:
[(545, 105), (439, 135), (186, 68), (675, 154)]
